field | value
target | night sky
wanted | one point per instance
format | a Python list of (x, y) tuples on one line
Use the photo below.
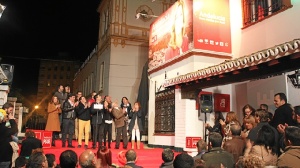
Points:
[(31, 30)]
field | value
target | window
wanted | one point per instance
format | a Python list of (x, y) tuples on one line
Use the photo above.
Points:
[(101, 83), (257, 10), (54, 76), (62, 68), (165, 112), (55, 68)]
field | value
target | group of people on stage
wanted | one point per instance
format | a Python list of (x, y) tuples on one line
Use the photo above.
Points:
[(96, 115)]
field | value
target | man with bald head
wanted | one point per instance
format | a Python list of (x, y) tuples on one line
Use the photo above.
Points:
[(130, 158), (87, 159)]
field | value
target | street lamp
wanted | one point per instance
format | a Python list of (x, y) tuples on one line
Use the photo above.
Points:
[(2, 7), (36, 107)]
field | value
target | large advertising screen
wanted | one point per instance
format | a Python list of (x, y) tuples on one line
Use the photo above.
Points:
[(171, 34), (211, 20)]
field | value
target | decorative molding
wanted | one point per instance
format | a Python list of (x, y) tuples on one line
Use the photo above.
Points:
[(268, 55), (187, 55)]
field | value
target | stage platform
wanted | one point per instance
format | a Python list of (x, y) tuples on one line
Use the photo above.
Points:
[(147, 157)]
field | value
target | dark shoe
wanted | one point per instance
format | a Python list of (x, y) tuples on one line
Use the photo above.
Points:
[(86, 147), (70, 146), (63, 145), (116, 147), (109, 147), (94, 147), (53, 143), (79, 146), (125, 147)]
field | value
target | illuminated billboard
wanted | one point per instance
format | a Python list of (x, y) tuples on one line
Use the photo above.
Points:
[(211, 19), (171, 33), (190, 25)]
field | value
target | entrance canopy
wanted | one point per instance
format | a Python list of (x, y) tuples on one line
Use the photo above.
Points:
[(266, 63)]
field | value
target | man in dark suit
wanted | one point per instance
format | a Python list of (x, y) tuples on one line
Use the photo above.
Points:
[(30, 143), (131, 157), (97, 112), (69, 116), (217, 156), (283, 114)]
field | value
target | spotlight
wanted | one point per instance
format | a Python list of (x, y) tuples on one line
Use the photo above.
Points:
[(2, 7), (138, 15), (295, 78)]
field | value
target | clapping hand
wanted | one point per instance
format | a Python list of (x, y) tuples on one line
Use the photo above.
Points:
[(222, 122)]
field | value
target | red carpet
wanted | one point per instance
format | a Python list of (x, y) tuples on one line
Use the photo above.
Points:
[(150, 157)]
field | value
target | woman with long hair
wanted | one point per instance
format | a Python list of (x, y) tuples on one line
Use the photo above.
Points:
[(231, 119), (217, 126), (135, 125), (105, 155), (53, 123), (264, 147)]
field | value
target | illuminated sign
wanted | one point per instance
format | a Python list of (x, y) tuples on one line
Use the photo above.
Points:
[(211, 20)]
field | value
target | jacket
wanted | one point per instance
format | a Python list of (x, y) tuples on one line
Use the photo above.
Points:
[(28, 145), (68, 111), (167, 165), (290, 158), (6, 150), (53, 123), (119, 116), (97, 114), (217, 156), (283, 114), (82, 112), (261, 152), (133, 165), (235, 146), (135, 116)]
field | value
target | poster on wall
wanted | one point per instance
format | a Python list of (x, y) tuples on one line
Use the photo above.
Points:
[(221, 102), (171, 33), (211, 21)]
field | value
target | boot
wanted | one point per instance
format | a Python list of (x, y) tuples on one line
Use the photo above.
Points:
[(138, 144), (132, 144)]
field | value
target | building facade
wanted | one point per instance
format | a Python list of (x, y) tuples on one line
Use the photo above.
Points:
[(265, 36), (115, 66), (51, 74)]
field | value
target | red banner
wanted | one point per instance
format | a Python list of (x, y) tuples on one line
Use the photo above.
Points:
[(44, 136), (221, 102), (191, 142), (211, 20)]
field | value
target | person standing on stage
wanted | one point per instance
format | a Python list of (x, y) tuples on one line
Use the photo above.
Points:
[(78, 95), (119, 118), (60, 94), (83, 115), (68, 125), (108, 120), (53, 123), (135, 125), (97, 121), (126, 106)]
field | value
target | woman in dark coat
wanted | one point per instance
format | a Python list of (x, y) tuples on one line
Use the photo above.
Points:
[(217, 126), (135, 125)]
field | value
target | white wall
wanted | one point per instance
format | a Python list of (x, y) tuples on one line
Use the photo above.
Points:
[(126, 66), (275, 30)]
